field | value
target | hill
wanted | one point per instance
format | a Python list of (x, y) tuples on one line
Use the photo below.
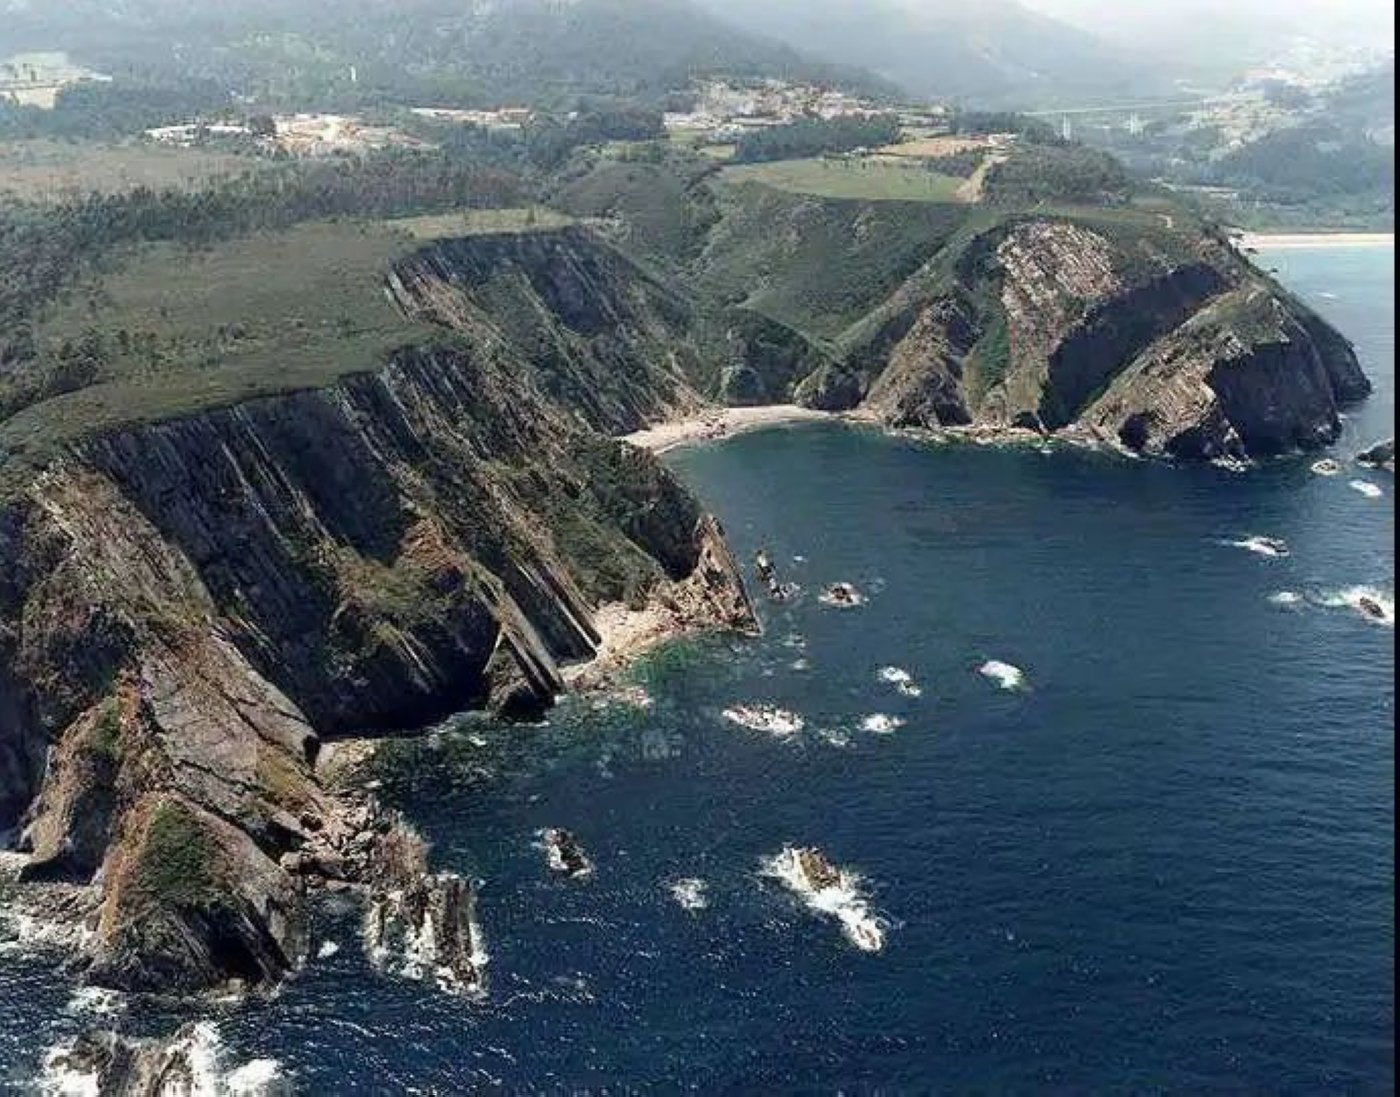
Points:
[(994, 53), (446, 52)]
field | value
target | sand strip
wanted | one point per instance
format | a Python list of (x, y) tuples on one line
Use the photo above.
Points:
[(717, 423)]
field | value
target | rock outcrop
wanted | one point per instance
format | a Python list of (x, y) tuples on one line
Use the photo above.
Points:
[(189, 608), (189, 1063), (1172, 347), (1381, 455)]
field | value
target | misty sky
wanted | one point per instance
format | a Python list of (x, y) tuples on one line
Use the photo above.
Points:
[(1143, 21)]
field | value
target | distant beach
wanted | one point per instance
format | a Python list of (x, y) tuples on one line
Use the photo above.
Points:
[(1317, 240), (717, 423)]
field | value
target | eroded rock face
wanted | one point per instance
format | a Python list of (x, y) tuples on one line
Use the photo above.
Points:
[(1184, 353), (188, 608)]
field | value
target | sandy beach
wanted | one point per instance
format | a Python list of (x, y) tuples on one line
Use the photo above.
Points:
[(716, 423), (1292, 240)]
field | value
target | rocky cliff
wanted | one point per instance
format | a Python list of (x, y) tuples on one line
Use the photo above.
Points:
[(1177, 349), (1163, 342), (1134, 324), (189, 608)]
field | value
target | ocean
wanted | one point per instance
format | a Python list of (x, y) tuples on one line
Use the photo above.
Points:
[(1160, 862)]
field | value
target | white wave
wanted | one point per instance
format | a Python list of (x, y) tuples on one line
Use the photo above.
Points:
[(95, 1001), (1261, 546), (1326, 467), (768, 718), (1366, 488), (1003, 674), (1373, 604), (881, 724), (690, 893), (27, 931), (1232, 464), (841, 595), (1327, 296), (835, 737), (1285, 598), (61, 1078), (841, 899), (800, 664), (200, 1055), (257, 1076), (327, 950), (901, 679)]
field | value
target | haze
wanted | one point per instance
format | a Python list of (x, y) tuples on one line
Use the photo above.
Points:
[(1214, 25)]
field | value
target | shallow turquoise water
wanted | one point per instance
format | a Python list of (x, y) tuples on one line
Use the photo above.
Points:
[(1165, 866)]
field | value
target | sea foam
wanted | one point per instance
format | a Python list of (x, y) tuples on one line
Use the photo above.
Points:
[(1003, 674), (881, 724), (901, 679), (1355, 597), (842, 900), (768, 718), (1261, 546), (690, 893)]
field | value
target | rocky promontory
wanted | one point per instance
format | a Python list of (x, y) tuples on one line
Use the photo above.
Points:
[(190, 608)]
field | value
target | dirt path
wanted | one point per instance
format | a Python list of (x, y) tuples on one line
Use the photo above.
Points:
[(970, 191)]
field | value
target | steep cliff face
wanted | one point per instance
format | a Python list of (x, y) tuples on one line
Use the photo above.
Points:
[(189, 607), (1169, 345)]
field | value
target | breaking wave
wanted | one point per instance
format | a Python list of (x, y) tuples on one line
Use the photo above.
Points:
[(841, 900), (841, 595), (1261, 546), (1004, 675), (766, 718), (690, 893), (902, 680), (881, 724), (1371, 603), (192, 1064), (1366, 488)]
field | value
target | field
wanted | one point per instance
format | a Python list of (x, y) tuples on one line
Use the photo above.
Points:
[(483, 222), (873, 181), (931, 148), (45, 171), (179, 330)]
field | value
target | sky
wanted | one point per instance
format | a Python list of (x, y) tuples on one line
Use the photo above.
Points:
[(1141, 22)]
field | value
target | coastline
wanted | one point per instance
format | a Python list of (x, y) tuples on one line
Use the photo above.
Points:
[(1279, 241), (714, 424)]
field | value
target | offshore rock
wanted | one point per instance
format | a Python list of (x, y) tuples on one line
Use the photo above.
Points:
[(185, 1065), (1381, 455), (427, 931)]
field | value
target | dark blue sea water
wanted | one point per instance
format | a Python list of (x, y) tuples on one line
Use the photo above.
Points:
[(1164, 866)]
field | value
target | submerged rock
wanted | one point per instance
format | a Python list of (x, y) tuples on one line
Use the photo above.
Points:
[(564, 854), (844, 595)]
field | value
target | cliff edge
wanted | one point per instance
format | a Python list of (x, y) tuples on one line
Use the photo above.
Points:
[(189, 608)]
